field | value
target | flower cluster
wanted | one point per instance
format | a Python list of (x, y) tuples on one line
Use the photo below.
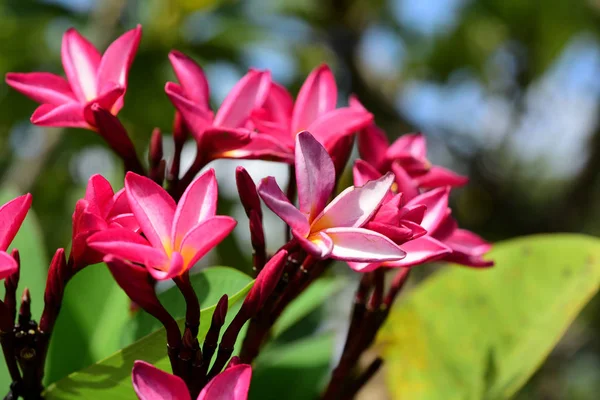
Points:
[(395, 216)]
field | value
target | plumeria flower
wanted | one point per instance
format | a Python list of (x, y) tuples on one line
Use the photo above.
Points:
[(440, 237), (92, 78), (314, 110), (228, 128), (151, 383), (176, 235), (333, 230), (406, 157), (12, 215), (100, 209)]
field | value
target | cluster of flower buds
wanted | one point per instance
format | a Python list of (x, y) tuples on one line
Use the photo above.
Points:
[(396, 215)]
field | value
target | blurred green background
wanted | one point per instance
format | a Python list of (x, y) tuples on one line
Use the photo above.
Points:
[(507, 92)]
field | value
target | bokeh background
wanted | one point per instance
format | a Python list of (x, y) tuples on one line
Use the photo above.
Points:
[(506, 91)]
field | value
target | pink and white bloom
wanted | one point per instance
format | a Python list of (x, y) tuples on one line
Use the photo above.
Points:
[(406, 157), (151, 383), (12, 215), (440, 237), (176, 235), (100, 209), (315, 110), (227, 129), (333, 230), (92, 78)]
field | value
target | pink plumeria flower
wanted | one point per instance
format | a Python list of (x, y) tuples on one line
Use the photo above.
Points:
[(440, 239), (176, 235), (151, 383), (228, 128), (12, 215), (92, 78), (315, 110), (406, 157), (100, 209), (331, 230)]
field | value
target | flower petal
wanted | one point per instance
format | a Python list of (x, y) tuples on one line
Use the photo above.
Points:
[(217, 140), (231, 384), (128, 245), (363, 172), (116, 62), (315, 175), (106, 100), (12, 215), (204, 236), (318, 244), (248, 94), (151, 383), (438, 176), (436, 202), (354, 206), (262, 147), (42, 87), (191, 78), (153, 208), (405, 183), (8, 265), (410, 151), (420, 251), (274, 198), (69, 115), (197, 118), (197, 204), (362, 245), (279, 106), (317, 96), (80, 60), (372, 140), (174, 267), (99, 195), (330, 127)]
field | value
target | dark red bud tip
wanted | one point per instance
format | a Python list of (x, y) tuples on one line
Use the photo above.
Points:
[(221, 311), (247, 191), (15, 254), (155, 154), (235, 360), (180, 131), (265, 283)]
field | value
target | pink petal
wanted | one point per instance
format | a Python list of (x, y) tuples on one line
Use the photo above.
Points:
[(175, 266), (191, 78), (197, 118), (279, 105), (406, 184), (438, 176), (8, 265), (99, 195), (231, 384), (398, 234), (420, 251), (153, 208), (364, 267), (354, 206), (248, 94), (315, 175), (436, 202), (127, 245), (362, 245), (198, 203), (204, 236), (12, 215), (217, 140), (127, 221), (317, 96), (264, 125), (151, 383), (120, 204), (116, 62), (468, 242), (330, 127), (274, 198), (318, 244), (69, 115), (262, 147), (81, 61), (372, 141), (106, 100), (363, 172), (411, 151), (42, 87)]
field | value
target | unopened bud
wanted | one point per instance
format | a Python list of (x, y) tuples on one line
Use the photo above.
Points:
[(58, 275), (180, 131), (155, 153), (247, 191)]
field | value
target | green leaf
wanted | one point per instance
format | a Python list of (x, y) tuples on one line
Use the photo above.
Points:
[(311, 299), (34, 267), (111, 378), (480, 334), (294, 371), (209, 284), (89, 325)]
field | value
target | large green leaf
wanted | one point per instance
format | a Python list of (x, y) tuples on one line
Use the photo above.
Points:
[(90, 322), (480, 334), (293, 371), (34, 267), (111, 378)]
